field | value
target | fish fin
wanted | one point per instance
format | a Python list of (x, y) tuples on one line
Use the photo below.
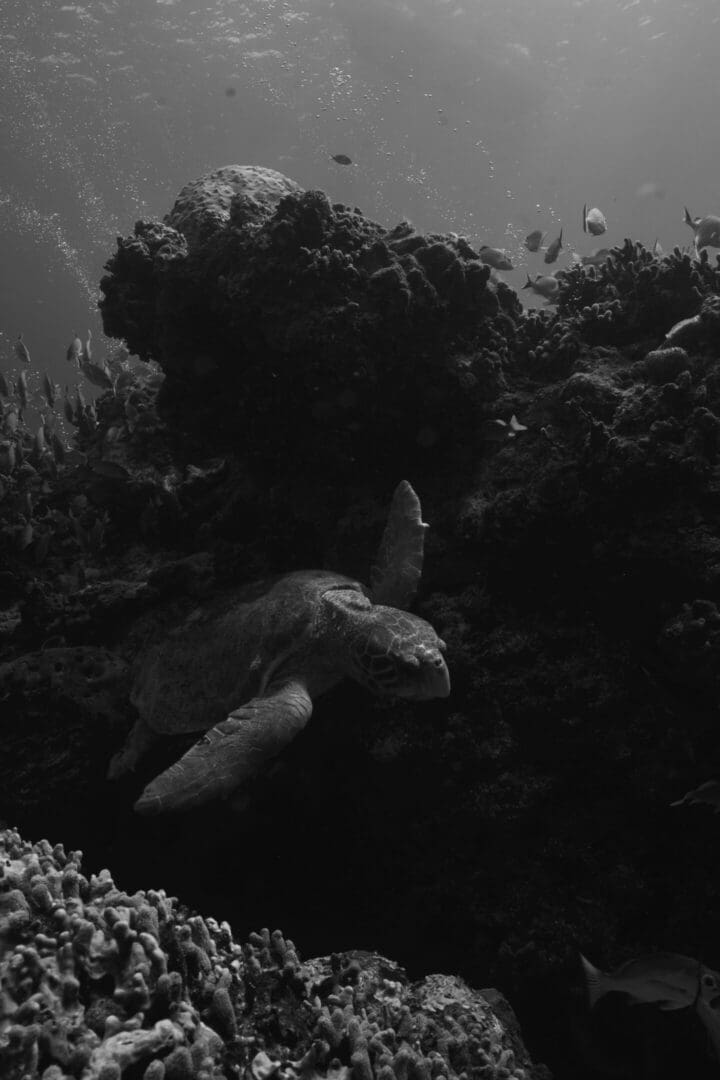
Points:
[(594, 981), (688, 219), (528, 283), (584, 217), (560, 237)]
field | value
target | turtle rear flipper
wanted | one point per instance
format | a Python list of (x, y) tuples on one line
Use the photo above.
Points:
[(231, 752), (395, 576)]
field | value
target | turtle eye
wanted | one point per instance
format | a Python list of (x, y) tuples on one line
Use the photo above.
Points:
[(709, 981)]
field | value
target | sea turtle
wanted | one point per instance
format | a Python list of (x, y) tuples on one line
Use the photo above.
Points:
[(248, 664)]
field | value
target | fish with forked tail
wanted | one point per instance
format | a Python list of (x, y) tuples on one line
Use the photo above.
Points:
[(706, 229), (544, 285), (668, 980)]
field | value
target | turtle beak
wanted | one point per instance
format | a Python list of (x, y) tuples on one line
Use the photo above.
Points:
[(433, 681)]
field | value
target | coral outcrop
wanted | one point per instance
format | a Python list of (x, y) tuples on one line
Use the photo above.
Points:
[(97, 984), (305, 323)]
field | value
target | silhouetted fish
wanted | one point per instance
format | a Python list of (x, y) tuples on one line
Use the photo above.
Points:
[(544, 285), (707, 230), (21, 350), (596, 258), (342, 159), (594, 221), (534, 239), (494, 257), (554, 249), (665, 979)]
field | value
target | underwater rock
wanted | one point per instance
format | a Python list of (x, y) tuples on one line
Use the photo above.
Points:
[(96, 981)]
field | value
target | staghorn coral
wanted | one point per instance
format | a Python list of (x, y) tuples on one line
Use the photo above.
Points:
[(634, 293), (97, 982)]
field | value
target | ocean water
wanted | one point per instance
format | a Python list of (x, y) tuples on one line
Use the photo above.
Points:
[(486, 117)]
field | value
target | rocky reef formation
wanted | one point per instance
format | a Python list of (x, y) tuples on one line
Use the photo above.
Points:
[(99, 984), (298, 360), (291, 322)]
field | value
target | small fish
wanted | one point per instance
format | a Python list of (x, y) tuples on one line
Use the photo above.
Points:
[(98, 376), (594, 221), (342, 159), (534, 239), (665, 979), (74, 350), (58, 448), (706, 229), (494, 257), (87, 348), (709, 793), (554, 249), (596, 258), (22, 389), (21, 350), (49, 390), (544, 285)]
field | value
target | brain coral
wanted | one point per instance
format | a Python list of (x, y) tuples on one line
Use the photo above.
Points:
[(203, 207), (97, 983)]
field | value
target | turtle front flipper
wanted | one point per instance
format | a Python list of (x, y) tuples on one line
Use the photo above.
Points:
[(395, 576), (231, 752)]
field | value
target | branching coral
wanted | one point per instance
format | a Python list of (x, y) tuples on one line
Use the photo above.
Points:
[(634, 293), (96, 982)]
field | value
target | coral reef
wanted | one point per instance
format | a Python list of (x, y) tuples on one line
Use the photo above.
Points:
[(297, 360), (97, 983), (307, 323)]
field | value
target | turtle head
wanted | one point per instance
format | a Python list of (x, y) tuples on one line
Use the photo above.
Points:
[(390, 651)]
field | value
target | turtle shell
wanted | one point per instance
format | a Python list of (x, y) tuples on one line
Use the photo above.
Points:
[(223, 653)]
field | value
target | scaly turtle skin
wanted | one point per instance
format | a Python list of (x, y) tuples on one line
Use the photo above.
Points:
[(275, 646)]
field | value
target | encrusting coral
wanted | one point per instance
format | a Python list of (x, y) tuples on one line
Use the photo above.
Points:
[(96, 983)]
